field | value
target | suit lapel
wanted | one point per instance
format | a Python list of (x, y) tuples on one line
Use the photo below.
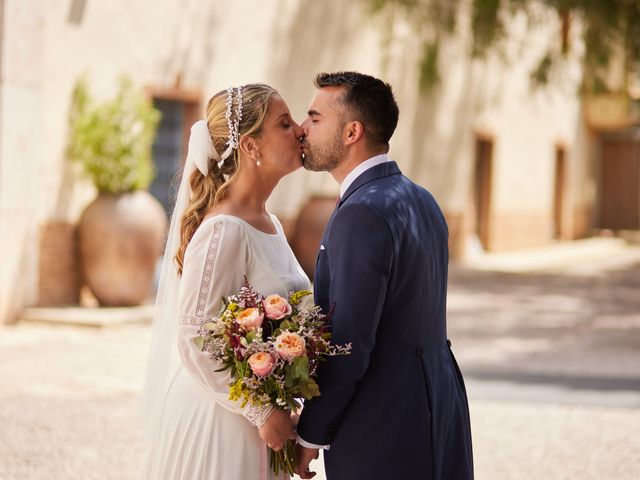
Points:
[(385, 169)]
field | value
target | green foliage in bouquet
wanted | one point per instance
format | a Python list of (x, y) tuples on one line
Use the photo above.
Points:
[(272, 347), (112, 140)]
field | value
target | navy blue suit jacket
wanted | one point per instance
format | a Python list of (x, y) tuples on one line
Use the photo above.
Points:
[(396, 407)]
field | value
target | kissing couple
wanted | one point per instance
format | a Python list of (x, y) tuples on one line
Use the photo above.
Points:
[(396, 406)]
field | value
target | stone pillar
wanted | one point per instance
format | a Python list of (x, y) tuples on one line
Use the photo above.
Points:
[(21, 153)]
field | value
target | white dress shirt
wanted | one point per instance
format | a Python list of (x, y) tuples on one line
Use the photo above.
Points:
[(360, 169), (344, 186)]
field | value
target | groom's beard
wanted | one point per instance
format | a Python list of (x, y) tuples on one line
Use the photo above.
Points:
[(323, 158)]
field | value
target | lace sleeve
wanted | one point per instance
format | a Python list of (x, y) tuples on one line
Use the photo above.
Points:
[(212, 250), (215, 262)]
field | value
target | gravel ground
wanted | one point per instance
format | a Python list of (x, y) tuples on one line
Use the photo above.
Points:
[(552, 362)]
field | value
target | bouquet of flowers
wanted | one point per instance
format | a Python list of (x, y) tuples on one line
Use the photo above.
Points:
[(272, 347)]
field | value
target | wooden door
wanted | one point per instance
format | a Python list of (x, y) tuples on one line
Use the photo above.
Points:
[(482, 190), (559, 192), (620, 184)]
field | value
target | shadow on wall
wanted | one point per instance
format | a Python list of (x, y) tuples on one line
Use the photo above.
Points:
[(435, 143), (315, 37), (189, 30), (443, 161), (312, 37), (319, 36), (441, 171)]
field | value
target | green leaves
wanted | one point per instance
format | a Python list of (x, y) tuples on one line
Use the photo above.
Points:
[(223, 305), (428, 71), (486, 25), (199, 341), (301, 367), (112, 140), (298, 370), (286, 325), (609, 30), (251, 336), (297, 378), (309, 389), (242, 369)]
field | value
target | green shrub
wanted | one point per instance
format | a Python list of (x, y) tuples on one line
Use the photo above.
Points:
[(112, 140)]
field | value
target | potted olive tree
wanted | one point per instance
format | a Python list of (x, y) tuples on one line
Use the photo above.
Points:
[(120, 233)]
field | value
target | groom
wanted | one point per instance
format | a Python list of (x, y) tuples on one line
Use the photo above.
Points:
[(396, 407)]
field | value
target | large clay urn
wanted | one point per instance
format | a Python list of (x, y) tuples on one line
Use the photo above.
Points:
[(310, 225), (120, 239)]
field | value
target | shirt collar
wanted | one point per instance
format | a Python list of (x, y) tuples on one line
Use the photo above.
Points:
[(360, 169)]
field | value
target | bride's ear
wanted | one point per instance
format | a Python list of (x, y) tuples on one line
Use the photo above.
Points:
[(249, 146)]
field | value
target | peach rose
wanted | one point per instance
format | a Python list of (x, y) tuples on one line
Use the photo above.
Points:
[(289, 345), (276, 307), (261, 363), (250, 319)]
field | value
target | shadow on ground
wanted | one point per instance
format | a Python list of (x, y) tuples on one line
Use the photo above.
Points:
[(555, 327)]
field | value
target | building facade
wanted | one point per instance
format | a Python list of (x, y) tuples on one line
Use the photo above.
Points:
[(510, 167)]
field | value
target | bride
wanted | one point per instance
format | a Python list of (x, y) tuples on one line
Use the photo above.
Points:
[(220, 231)]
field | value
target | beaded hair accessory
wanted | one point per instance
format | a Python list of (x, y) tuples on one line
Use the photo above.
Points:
[(233, 123)]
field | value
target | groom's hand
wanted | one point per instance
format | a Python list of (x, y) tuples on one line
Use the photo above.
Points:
[(277, 429), (295, 417), (304, 456)]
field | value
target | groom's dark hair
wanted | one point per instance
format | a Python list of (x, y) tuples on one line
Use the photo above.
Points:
[(369, 100)]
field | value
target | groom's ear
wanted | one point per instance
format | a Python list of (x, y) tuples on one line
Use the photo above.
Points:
[(354, 131)]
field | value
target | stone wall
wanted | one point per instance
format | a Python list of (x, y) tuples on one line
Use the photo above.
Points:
[(206, 46), (22, 152)]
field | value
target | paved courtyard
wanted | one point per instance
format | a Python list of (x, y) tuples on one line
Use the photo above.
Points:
[(550, 353)]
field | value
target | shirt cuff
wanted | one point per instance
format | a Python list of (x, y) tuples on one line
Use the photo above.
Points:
[(304, 443)]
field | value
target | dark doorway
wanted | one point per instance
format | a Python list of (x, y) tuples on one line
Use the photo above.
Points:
[(620, 183), (559, 192), (482, 189), (179, 111)]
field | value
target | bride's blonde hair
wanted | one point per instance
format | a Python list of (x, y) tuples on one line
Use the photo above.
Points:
[(211, 189)]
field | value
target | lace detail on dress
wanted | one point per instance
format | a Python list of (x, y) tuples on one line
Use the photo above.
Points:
[(257, 415), (195, 320), (207, 274)]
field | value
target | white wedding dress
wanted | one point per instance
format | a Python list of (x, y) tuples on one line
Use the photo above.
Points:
[(203, 435)]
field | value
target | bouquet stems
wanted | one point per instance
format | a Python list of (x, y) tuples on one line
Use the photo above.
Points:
[(284, 460)]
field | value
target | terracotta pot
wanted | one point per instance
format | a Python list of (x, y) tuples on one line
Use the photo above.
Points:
[(120, 238), (310, 225)]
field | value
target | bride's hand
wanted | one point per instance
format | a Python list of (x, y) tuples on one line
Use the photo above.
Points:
[(277, 429)]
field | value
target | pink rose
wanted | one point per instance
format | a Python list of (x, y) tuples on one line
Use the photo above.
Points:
[(250, 319), (261, 363), (276, 307), (289, 345)]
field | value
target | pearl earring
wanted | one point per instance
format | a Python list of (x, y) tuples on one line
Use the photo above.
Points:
[(258, 162)]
